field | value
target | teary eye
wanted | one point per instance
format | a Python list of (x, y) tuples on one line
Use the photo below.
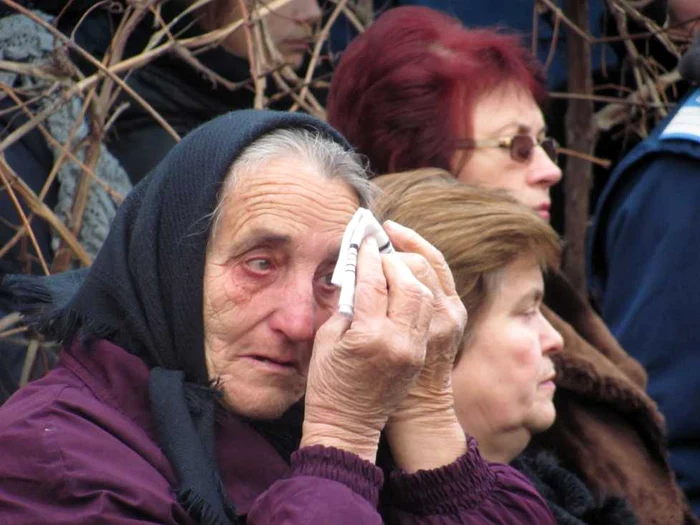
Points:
[(325, 285), (259, 264)]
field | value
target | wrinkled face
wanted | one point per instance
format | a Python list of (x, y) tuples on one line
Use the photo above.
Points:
[(290, 27), (267, 283), (501, 114), (503, 380)]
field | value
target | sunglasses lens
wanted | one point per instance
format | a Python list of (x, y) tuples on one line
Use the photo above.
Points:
[(550, 147), (521, 147)]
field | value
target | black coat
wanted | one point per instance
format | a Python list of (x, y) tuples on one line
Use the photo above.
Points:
[(571, 502)]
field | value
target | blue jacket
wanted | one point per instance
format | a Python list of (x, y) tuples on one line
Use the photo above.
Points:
[(644, 268)]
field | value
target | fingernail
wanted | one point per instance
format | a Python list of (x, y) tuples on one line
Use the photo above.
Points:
[(371, 242)]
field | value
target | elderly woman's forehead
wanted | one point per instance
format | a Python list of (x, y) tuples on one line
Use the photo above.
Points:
[(290, 193), (290, 174)]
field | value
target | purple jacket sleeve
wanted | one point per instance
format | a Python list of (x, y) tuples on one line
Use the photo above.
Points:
[(332, 486), (470, 490), (327, 485)]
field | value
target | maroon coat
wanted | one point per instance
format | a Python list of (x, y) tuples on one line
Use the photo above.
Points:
[(78, 446)]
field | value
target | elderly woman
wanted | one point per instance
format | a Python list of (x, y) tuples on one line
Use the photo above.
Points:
[(418, 89), (503, 377), (206, 317)]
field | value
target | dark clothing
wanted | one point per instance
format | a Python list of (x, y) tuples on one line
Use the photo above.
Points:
[(31, 159), (643, 259), (608, 431), (569, 499), (79, 446)]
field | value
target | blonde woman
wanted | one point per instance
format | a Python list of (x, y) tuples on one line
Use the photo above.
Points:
[(506, 393)]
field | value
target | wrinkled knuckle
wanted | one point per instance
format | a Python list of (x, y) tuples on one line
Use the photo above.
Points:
[(370, 289), (405, 352), (369, 334), (424, 268), (376, 286), (419, 293), (416, 359), (375, 332), (440, 259), (419, 265), (408, 361), (458, 315), (427, 297)]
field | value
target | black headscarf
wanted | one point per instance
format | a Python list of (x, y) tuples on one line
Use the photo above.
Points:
[(144, 293)]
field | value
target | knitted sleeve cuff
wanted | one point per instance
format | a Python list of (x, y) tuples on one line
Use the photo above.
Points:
[(335, 464), (463, 484)]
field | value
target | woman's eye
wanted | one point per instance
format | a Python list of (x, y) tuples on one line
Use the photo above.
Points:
[(531, 312), (259, 265), (325, 282)]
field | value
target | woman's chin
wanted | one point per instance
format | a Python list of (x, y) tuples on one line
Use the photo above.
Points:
[(542, 418)]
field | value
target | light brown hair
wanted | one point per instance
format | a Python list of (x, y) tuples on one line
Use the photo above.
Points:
[(479, 231)]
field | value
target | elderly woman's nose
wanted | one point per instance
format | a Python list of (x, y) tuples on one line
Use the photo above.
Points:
[(544, 171), (297, 311), (552, 341)]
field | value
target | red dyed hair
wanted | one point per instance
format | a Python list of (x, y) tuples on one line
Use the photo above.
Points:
[(406, 87)]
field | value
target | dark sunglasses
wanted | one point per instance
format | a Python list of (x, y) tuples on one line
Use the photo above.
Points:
[(520, 146)]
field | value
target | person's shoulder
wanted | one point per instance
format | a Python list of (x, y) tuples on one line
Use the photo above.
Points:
[(30, 424), (59, 414), (60, 443), (30, 406), (675, 141)]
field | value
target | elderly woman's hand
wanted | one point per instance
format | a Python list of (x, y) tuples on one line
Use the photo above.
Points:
[(424, 431), (361, 371)]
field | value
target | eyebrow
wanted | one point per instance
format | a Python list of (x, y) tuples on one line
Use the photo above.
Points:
[(261, 236), (521, 128), (269, 238)]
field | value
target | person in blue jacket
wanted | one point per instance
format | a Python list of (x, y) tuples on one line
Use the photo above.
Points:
[(644, 268)]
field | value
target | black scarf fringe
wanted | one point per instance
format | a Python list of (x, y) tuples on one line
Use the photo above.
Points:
[(199, 509), (42, 301)]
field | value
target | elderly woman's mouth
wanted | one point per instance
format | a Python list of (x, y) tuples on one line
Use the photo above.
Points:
[(273, 364)]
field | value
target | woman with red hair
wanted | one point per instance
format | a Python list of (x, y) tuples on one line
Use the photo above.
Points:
[(418, 89)]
